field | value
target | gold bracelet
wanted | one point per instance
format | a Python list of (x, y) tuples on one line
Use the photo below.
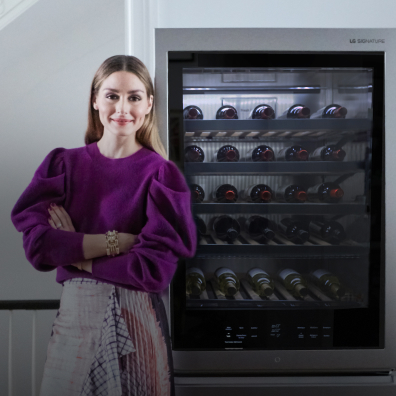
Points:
[(112, 243)]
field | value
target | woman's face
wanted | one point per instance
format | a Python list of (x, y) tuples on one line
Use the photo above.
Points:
[(123, 104)]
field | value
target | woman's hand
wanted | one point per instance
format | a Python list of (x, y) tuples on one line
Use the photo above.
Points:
[(93, 245), (60, 219), (125, 241), (86, 265)]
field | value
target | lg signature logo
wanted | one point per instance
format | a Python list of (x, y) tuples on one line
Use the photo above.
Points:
[(367, 41)]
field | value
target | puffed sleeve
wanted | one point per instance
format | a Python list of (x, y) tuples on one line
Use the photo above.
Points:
[(45, 247), (169, 233)]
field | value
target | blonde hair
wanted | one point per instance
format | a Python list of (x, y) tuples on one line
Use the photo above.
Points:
[(148, 134)]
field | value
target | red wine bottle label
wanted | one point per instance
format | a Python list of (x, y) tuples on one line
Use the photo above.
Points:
[(336, 193), (330, 111), (329, 153), (261, 153), (226, 154), (298, 155), (228, 192), (264, 195)]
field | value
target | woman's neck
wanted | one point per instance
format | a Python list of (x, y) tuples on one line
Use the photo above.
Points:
[(118, 147)]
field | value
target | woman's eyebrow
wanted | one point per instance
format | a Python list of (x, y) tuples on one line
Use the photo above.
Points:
[(115, 90)]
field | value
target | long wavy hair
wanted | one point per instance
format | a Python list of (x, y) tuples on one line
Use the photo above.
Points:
[(147, 135)]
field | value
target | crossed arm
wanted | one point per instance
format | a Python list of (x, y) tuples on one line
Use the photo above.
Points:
[(94, 245)]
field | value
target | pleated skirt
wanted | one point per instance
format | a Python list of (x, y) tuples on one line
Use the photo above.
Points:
[(108, 341)]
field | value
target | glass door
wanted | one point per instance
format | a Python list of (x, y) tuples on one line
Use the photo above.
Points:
[(283, 154)]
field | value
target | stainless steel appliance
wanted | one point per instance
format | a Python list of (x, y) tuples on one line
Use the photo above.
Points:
[(336, 335)]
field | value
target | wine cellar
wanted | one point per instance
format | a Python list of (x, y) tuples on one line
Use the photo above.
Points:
[(279, 160)]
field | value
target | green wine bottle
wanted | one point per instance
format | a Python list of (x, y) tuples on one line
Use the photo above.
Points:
[(328, 282), (227, 281), (294, 282), (261, 282), (195, 281)]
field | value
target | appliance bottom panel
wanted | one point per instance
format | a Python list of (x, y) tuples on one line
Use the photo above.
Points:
[(383, 385)]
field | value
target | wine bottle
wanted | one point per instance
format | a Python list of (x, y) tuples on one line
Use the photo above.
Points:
[(227, 153), (225, 227), (227, 113), (260, 153), (225, 193), (294, 282), (328, 192), (291, 193), (262, 112), (261, 282), (195, 281), (328, 282), (197, 193), (227, 281), (258, 228), (192, 113), (293, 230), (296, 111), (201, 226), (330, 231), (328, 153), (194, 154), (257, 193), (331, 111), (293, 153)]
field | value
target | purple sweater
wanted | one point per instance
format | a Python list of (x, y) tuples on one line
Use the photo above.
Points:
[(142, 194)]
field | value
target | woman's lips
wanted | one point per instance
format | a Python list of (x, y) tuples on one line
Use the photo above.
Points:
[(121, 121)]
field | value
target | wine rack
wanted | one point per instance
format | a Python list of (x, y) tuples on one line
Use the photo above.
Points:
[(243, 246), (308, 167), (314, 128), (354, 134), (246, 297)]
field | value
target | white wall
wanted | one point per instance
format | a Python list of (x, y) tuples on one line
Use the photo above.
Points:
[(48, 58), (253, 13), (277, 14)]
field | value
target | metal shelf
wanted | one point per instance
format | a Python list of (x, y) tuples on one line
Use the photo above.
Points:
[(281, 251), (246, 298), (275, 167), (282, 208), (278, 125)]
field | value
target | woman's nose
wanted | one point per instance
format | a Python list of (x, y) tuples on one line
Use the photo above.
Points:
[(122, 106)]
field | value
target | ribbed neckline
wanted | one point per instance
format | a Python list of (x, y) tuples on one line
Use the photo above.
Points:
[(94, 149)]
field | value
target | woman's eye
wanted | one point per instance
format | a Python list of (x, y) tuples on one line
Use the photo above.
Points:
[(111, 96), (135, 98)]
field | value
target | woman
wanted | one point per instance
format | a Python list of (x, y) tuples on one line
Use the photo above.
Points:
[(112, 217)]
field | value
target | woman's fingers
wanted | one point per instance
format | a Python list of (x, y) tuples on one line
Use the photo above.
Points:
[(52, 224), (55, 218), (67, 218), (61, 218)]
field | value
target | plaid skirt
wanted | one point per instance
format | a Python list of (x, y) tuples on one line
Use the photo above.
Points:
[(108, 341)]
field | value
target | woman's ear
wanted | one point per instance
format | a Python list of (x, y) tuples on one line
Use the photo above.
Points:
[(150, 104), (95, 106)]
